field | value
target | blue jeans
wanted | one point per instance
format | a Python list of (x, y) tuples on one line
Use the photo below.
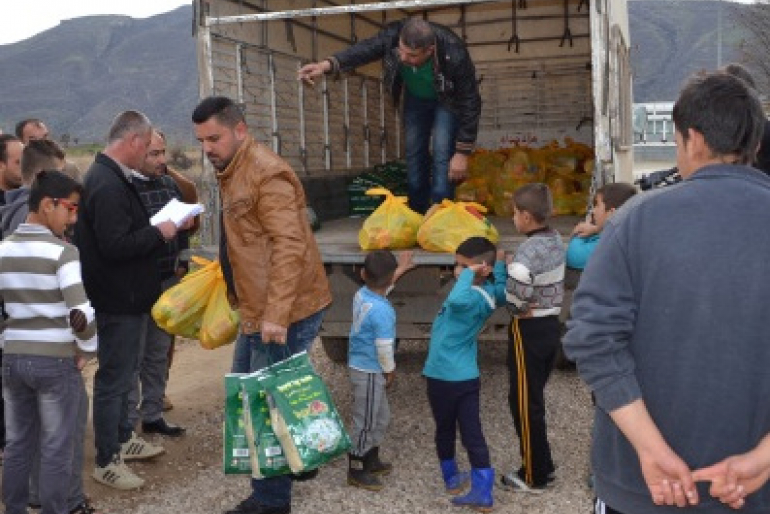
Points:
[(251, 354), (120, 337), (423, 118), (41, 394)]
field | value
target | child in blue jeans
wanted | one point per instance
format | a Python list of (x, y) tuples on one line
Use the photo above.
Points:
[(453, 373)]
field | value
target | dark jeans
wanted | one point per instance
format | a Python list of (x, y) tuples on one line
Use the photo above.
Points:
[(251, 354), (120, 337), (539, 344), (428, 179), (456, 404), (41, 393)]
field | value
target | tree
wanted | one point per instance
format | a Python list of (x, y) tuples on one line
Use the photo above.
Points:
[(755, 20)]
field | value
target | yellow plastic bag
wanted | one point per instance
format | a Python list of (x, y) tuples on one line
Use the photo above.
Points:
[(391, 225), (179, 310), (220, 323), (451, 223)]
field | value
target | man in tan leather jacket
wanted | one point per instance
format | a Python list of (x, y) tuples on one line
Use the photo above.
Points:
[(271, 261)]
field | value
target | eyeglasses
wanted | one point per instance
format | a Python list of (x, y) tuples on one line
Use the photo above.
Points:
[(71, 206)]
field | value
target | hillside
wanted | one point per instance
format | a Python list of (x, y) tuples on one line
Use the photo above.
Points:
[(672, 39), (78, 75)]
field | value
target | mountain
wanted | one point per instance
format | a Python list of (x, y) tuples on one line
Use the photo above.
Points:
[(78, 75), (671, 39)]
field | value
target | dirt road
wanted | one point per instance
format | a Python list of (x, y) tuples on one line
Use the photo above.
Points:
[(188, 478)]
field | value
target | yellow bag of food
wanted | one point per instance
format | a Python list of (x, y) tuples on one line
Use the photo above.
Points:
[(179, 310), (450, 223), (392, 225), (475, 189), (220, 323)]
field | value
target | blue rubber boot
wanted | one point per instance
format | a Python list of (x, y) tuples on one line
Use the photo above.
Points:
[(454, 480), (480, 496)]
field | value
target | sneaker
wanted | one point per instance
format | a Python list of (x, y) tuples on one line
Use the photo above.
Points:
[(512, 482), (137, 448), (252, 506), (116, 474)]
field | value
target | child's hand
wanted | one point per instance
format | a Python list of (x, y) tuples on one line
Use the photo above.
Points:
[(500, 256), (389, 378), (405, 263), (585, 229), (78, 320), (479, 267)]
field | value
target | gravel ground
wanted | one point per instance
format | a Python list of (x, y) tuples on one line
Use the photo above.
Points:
[(198, 486)]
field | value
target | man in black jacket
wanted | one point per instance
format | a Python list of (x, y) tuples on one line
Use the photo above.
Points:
[(119, 252), (441, 99)]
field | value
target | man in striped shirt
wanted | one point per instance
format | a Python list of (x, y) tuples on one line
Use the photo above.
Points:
[(49, 334)]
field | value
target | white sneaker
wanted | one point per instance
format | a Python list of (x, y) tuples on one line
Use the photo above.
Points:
[(116, 474), (137, 448)]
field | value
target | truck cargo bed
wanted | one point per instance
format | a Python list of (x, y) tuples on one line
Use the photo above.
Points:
[(338, 240)]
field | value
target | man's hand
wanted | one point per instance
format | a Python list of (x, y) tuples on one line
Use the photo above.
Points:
[(188, 224), (735, 477), (668, 478), (167, 229), (458, 167), (310, 71), (78, 320), (389, 378), (272, 333), (80, 362)]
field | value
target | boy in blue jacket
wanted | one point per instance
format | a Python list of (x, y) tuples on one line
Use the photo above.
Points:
[(453, 373), (585, 235)]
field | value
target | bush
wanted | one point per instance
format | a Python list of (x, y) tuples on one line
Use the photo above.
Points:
[(178, 159)]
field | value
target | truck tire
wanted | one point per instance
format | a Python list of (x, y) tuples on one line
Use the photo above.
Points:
[(336, 348)]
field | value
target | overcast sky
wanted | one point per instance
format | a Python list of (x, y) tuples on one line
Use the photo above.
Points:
[(28, 17)]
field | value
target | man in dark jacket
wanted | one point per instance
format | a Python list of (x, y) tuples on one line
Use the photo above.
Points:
[(441, 99), (119, 251), (156, 189)]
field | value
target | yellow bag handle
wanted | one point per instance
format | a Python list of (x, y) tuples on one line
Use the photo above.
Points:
[(449, 203), (381, 191)]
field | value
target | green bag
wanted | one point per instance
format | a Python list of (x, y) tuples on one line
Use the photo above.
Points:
[(267, 456), (303, 414), (235, 447)]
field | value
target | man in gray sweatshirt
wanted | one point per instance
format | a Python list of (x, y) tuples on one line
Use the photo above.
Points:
[(671, 323)]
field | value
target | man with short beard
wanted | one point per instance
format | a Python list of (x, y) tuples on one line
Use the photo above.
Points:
[(272, 266), (10, 164), (156, 189)]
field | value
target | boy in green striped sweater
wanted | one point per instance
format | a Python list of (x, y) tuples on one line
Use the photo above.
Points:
[(48, 335)]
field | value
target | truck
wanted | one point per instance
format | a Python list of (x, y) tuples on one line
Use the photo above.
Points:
[(547, 70)]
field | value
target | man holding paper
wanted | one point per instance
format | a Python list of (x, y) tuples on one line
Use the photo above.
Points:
[(157, 190), (119, 252)]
